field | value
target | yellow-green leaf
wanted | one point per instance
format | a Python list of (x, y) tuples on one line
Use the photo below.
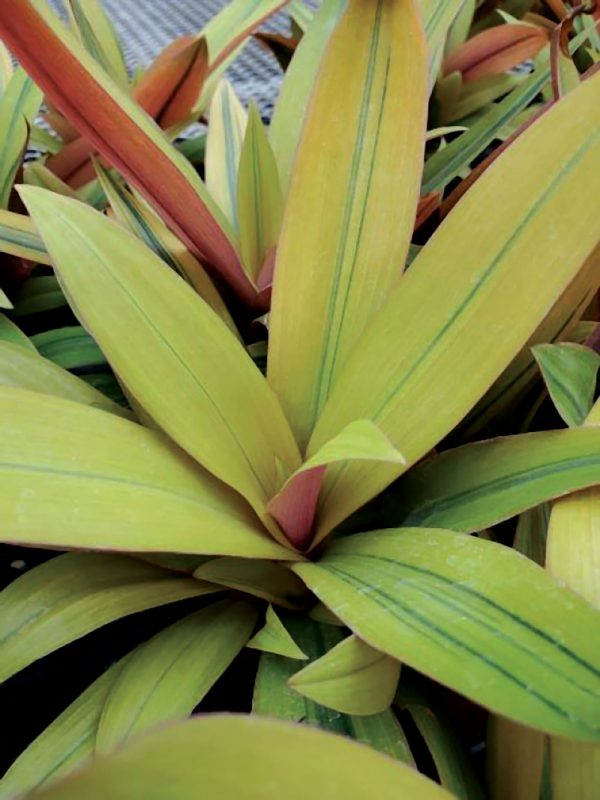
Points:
[(19, 105), (481, 305), (560, 324), (97, 34), (36, 174), (65, 744), (18, 237), (569, 372), (274, 697), (69, 596), (259, 201), (212, 400), (25, 369), (352, 201), (170, 674), (573, 556), (273, 637), (481, 484), (69, 471), (436, 600), (358, 441), (293, 99), (11, 333), (170, 764), (263, 579), (4, 300), (6, 68), (140, 220), (352, 678), (227, 124), (438, 17)]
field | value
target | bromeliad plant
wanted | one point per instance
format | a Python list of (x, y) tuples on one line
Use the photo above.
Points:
[(217, 479)]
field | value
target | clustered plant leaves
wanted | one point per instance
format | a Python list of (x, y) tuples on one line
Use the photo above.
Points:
[(327, 386)]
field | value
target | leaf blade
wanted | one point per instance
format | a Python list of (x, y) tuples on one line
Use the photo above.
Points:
[(342, 185), (429, 597)]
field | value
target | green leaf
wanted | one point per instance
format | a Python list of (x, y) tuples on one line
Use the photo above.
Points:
[(97, 34), (274, 697), (65, 744), (38, 295), (11, 333), (68, 471), (227, 124), (19, 106), (170, 764), (292, 102), (4, 301), (136, 217), (170, 674), (212, 401), (449, 162), (43, 140), (530, 536), (468, 337), (560, 324), (259, 200), (71, 347), (452, 762), (475, 616), (466, 99), (71, 595), (572, 557), (360, 440), (25, 369), (36, 174), (438, 16), (300, 15), (273, 637), (478, 485), (263, 579), (352, 678), (570, 372), (18, 237), (359, 161)]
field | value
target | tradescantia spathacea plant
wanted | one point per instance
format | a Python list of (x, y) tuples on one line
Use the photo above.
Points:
[(217, 480)]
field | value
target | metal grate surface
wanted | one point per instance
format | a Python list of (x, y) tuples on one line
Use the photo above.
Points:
[(145, 27)]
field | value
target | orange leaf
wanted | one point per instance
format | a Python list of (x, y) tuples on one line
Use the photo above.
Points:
[(171, 87), (113, 125), (495, 51), (72, 164)]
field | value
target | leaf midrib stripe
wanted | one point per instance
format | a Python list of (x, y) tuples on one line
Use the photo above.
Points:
[(131, 299), (23, 239), (466, 147), (232, 144), (12, 466), (351, 196), (326, 384), (516, 618), (494, 398), (490, 270), (531, 474), (394, 606), (482, 280), (445, 598)]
